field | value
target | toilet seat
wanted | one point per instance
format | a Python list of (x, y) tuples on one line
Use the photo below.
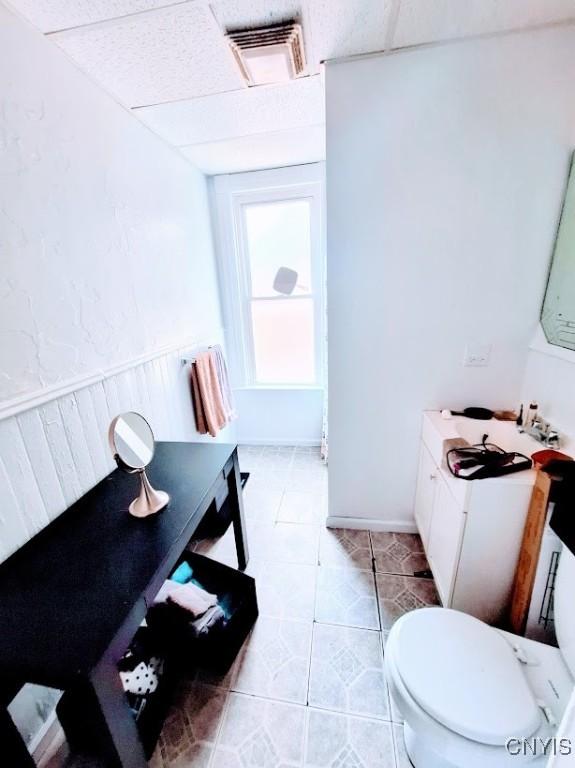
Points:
[(433, 744), (465, 675)]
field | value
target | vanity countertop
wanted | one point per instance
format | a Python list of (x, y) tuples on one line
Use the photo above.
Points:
[(440, 434)]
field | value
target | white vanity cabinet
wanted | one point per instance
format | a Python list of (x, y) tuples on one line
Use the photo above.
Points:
[(471, 530)]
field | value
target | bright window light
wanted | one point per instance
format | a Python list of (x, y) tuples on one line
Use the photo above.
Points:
[(283, 329)]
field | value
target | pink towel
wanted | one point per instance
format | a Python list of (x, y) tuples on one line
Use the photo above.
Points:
[(197, 402), (210, 393), (192, 598)]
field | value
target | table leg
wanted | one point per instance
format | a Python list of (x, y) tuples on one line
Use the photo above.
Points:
[(96, 718), (236, 502), (14, 751)]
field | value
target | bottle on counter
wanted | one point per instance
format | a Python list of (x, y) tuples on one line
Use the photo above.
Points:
[(531, 415), (519, 420)]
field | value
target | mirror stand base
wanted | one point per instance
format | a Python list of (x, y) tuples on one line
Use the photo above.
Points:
[(149, 501)]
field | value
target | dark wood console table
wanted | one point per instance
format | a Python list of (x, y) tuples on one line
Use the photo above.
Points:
[(72, 598)]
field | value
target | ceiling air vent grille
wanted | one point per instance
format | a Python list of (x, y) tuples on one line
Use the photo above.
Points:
[(269, 54)]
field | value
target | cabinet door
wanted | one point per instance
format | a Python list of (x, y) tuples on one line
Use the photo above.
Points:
[(424, 495), (445, 536)]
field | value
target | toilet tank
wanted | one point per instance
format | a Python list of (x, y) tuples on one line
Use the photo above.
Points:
[(564, 608)]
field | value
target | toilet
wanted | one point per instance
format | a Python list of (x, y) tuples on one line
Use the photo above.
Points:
[(476, 697)]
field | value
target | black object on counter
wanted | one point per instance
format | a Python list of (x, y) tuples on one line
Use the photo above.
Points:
[(562, 519), (488, 459), (483, 414)]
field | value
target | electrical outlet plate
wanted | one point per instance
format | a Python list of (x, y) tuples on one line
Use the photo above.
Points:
[(477, 355)]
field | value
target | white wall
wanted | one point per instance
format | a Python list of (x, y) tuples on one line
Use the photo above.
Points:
[(550, 380), (107, 273), (445, 171), (279, 416)]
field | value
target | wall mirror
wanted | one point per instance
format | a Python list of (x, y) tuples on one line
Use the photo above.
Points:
[(132, 443), (558, 313)]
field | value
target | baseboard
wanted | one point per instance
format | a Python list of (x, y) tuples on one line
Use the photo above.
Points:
[(49, 739), (281, 441), (368, 524)]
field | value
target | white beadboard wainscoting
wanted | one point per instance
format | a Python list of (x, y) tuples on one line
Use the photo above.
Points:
[(52, 453)]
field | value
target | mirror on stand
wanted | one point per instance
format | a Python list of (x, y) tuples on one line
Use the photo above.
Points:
[(132, 443)]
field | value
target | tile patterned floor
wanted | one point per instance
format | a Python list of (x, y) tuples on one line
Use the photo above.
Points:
[(400, 553), (308, 687)]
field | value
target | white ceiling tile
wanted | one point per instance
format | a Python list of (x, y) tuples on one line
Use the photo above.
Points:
[(348, 27), (237, 14), (172, 53), (267, 150), (50, 15), (423, 21), (255, 110)]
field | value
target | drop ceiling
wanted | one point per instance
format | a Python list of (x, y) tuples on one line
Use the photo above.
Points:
[(170, 64)]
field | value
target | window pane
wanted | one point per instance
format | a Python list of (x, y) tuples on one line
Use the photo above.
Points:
[(278, 235), (284, 341)]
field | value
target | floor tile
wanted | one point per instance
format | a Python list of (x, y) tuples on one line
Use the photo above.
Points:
[(278, 450), (346, 596), (399, 594), (307, 507), (156, 760), (307, 461), (396, 716), (274, 661), (248, 458), (257, 733), (261, 505), (223, 549), (344, 548), (401, 758), (190, 730), (341, 741), (308, 479), (286, 590), (347, 671), (270, 477), (400, 553), (291, 543)]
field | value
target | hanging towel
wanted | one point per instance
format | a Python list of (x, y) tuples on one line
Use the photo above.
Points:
[(197, 402), (210, 393), (224, 380)]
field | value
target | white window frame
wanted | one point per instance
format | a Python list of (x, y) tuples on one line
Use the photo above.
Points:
[(231, 193)]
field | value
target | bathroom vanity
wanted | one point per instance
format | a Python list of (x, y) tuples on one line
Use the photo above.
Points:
[(471, 530)]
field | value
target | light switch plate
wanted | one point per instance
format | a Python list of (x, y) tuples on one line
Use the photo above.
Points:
[(477, 355)]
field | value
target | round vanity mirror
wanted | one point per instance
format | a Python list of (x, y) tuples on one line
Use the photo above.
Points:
[(132, 440), (132, 444)]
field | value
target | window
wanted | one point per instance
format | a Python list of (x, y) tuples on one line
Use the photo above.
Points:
[(276, 325), (278, 235)]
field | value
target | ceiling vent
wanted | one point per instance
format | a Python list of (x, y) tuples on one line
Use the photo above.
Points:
[(269, 54)]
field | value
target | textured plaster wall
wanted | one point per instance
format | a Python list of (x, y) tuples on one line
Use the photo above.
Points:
[(105, 256), (105, 242)]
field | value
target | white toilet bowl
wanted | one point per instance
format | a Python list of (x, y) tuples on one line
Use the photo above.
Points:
[(465, 689)]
